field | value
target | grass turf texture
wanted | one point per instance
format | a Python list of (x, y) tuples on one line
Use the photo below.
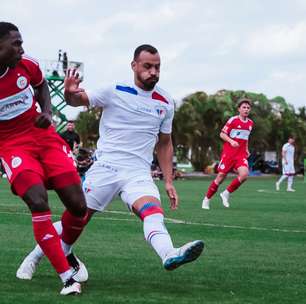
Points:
[(255, 250)]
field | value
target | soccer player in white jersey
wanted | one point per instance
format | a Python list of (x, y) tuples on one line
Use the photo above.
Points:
[(287, 164), (136, 118)]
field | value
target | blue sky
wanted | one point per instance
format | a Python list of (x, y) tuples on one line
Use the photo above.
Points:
[(251, 45)]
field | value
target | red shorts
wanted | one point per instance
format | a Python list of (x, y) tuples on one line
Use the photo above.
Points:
[(228, 163), (42, 152)]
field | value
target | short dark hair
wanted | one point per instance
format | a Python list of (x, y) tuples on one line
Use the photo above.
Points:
[(144, 47), (244, 100), (6, 27)]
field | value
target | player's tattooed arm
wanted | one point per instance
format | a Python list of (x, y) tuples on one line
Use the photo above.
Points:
[(42, 96)]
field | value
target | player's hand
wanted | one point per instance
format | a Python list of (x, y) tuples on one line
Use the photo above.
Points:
[(43, 120), (173, 197), (234, 144), (72, 82)]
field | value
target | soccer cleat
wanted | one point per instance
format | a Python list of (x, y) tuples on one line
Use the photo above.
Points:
[(26, 269), (290, 190), (185, 254), (71, 287), (81, 273), (205, 203), (277, 186), (225, 196)]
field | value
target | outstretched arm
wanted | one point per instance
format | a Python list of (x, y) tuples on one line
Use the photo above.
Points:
[(164, 149), (74, 95)]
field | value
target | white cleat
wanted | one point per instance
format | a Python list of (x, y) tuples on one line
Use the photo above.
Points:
[(290, 190), (205, 203), (71, 287), (26, 269), (79, 267), (277, 186), (225, 197), (185, 254)]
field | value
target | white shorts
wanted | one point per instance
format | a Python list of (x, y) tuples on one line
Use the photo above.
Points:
[(104, 181), (288, 169)]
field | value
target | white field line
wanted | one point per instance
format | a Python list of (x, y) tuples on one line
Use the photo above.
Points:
[(173, 221)]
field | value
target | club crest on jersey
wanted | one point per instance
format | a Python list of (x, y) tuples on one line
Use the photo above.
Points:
[(16, 162), (22, 82), (161, 112)]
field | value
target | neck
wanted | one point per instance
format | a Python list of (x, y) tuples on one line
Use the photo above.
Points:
[(244, 118)]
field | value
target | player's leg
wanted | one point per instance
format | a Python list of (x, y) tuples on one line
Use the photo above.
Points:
[(29, 186), (224, 167), (281, 179), (290, 183), (212, 189), (30, 263), (143, 198), (243, 173)]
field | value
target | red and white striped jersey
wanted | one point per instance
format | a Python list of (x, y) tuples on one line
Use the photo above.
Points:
[(17, 103), (239, 130)]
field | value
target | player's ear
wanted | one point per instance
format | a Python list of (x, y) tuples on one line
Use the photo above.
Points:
[(133, 65)]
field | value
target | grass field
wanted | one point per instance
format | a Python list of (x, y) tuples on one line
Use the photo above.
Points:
[(255, 250)]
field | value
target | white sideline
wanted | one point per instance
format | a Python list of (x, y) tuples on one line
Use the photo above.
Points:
[(173, 221)]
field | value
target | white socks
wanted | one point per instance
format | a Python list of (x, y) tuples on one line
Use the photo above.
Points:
[(282, 178), (290, 181), (157, 235)]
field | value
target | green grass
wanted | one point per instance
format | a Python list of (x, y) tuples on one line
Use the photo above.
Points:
[(255, 250)]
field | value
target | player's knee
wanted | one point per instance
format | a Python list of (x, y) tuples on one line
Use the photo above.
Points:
[(37, 199), (243, 177), (148, 209)]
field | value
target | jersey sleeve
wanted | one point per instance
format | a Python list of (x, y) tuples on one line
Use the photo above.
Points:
[(166, 125), (34, 70), (228, 127), (285, 148), (100, 97)]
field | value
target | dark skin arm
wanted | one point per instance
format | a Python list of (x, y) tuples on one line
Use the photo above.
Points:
[(42, 96)]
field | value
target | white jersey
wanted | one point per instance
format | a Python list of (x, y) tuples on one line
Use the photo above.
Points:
[(288, 168), (288, 149), (130, 123)]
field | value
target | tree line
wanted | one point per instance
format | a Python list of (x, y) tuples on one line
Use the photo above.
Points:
[(200, 117)]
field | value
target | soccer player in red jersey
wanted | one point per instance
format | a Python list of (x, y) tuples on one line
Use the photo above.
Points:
[(34, 156), (235, 152)]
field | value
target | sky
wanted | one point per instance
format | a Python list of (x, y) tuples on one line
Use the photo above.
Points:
[(252, 45)]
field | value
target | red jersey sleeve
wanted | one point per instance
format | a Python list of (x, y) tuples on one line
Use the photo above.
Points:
[(34, 71), (228, 126)]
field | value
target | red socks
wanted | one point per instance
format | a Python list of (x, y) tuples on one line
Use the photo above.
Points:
[(212, 189), (72, 227), (49, 241), (234, 185)]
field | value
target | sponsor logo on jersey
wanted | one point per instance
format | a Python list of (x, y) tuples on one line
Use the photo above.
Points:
[(16, 162), (22, 82), (143, 109)]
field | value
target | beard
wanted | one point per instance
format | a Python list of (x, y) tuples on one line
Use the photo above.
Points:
[(149, 84)]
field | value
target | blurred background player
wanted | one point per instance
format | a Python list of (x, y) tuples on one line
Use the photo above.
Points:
[(235, 153), (287, 164), (136, 118), (34, 157), (70, 136)]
